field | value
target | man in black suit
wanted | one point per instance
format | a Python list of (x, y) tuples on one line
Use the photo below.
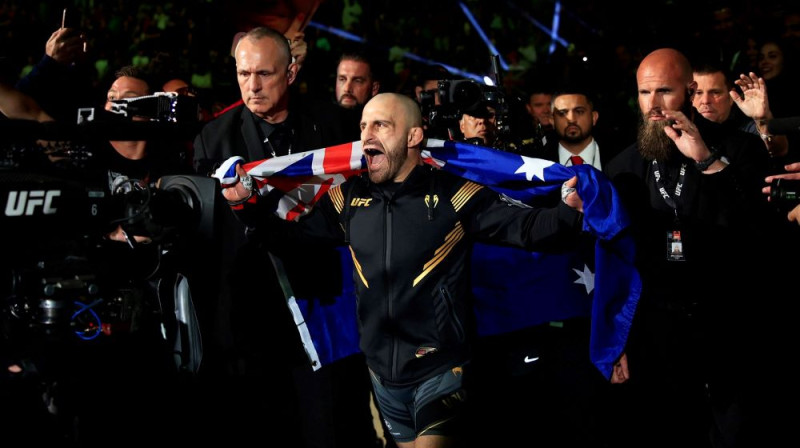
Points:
[(549, 364), (574, 121), (260, 344)]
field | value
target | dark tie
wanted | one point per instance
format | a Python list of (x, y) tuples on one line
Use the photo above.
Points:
[(576, 160)]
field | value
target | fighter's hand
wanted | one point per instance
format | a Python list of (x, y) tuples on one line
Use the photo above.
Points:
[(620, 374), (237, 192), (570, 195)]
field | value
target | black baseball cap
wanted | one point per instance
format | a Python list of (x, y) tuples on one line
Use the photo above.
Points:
[(479, 109)]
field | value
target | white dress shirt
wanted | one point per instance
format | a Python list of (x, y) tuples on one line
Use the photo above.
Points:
[(590, 155)]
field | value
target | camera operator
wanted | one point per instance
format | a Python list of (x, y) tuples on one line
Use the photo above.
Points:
[(428, 96), (478, 124), (142, 160), (135, 164), (126, 378), (792, 175)]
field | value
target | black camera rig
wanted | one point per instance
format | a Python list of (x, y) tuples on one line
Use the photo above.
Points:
[(63, 281), (459, 96), (785, 194), (165, 107)]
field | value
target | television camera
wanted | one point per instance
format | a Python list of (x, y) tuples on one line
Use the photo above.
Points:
[(785, 194), (64, 283), (166, 107), (459, 96)]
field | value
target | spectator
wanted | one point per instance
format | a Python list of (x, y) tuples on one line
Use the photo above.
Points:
[(62, 64), (716, 95)]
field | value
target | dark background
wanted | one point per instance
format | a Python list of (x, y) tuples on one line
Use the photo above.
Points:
[(195, 39)]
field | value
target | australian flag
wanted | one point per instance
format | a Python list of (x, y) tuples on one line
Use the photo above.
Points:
[(609, 295)]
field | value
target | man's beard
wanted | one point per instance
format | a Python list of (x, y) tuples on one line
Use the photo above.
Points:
[(578, 138), (394, 162), (348, 106), (653, 142)]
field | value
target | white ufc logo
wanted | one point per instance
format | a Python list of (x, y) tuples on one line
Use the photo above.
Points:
[(25, 202)]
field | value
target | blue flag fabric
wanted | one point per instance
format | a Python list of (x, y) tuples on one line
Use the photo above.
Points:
[(332, 324), (501, 307), (515, 288), (521, 288)]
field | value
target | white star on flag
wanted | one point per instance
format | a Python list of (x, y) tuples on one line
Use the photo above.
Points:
[(585, 278), (533, 167)]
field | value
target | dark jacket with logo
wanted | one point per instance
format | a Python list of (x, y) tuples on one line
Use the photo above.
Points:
[(410, 244)]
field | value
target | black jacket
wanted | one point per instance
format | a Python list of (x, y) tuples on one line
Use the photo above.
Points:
[(410, 244), (235, 133), (248, 288), (723, 218), (550, 152)]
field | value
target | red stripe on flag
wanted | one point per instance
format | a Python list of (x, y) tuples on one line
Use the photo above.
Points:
[(300, 208), (337, 158)]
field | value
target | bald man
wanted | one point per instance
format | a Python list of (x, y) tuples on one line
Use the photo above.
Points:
[(691, 186), (410, 230)]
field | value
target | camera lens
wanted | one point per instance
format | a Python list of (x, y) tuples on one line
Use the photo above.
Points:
[(784, 193), (466, 93)]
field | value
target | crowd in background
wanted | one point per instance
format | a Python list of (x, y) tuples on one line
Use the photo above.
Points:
[(191, 39), (595, 47)]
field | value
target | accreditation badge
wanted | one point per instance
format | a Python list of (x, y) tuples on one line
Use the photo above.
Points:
[(675, 246)]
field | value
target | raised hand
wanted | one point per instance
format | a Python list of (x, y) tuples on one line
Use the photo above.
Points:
[(754, 103)]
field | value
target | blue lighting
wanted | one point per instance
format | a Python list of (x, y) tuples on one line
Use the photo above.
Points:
[(537, 24), (483, 36), (556, 20), (412, 56)]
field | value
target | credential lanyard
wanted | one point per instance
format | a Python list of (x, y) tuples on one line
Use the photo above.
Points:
[(663, 189), (674, 237)]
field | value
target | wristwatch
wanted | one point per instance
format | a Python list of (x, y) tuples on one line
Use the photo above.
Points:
[(704, 164)]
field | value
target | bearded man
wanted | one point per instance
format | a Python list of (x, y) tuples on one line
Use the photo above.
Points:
[(691, 183)]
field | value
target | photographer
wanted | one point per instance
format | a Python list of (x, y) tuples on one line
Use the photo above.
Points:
[(793, 175)]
